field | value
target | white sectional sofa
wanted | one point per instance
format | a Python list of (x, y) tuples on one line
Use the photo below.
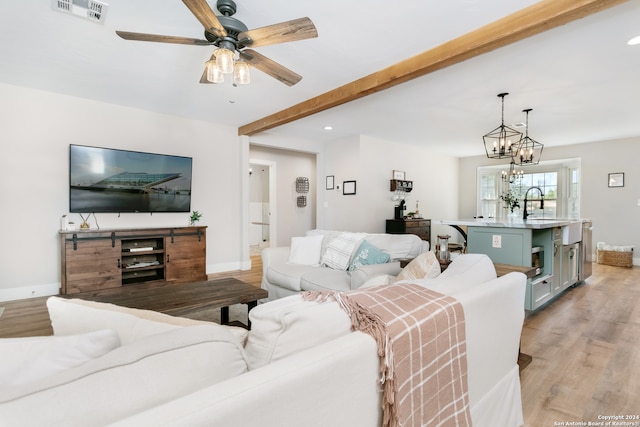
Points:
[(299, 365), (327, 260)]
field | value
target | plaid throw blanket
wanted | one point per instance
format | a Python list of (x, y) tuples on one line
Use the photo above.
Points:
[(421, 343)]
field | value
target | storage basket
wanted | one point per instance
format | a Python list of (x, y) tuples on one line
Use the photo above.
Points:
[(615, 258)]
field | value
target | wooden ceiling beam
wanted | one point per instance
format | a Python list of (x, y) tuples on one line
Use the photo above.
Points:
[(535, 19)]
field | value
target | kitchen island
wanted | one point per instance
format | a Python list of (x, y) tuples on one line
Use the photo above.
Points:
[(552, 246)]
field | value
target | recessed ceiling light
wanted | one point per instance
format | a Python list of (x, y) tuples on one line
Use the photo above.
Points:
[(634, 41), (328, 127)]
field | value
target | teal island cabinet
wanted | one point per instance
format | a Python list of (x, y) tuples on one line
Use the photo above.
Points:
[(549, 245)]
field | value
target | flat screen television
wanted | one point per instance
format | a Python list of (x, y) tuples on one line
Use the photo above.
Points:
[(118, 181)]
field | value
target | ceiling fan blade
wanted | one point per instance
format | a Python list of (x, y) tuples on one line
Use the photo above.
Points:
[(270, 67), (205, 15), (161, 39), (297, 29)]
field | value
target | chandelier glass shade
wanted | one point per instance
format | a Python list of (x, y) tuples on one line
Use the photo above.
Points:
[(529, 151), (503, 141)]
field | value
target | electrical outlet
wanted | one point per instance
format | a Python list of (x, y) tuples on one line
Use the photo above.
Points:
[(496, 241)]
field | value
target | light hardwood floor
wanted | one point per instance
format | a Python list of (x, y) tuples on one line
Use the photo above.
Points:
[(585, 348), (586, 353)]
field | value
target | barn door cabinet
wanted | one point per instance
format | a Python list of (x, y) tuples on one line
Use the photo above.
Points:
[(98, 260)]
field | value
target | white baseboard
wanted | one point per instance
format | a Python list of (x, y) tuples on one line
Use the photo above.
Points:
[(228, 266), (25, 292)]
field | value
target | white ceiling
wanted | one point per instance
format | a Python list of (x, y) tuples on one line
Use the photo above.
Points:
[(581, 79)]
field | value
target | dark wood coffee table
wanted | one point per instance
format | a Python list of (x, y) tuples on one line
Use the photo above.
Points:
[(182, 299)]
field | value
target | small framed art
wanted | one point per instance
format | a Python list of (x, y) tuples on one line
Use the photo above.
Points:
[(348, 188), (616, 179), (330, 182)]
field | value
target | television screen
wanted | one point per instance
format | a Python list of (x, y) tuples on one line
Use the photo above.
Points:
[(110, 180)]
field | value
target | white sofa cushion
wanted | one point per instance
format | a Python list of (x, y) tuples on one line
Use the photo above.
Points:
[(134, 377), (76, 316), (328, 236), (465, 271), (288, 325), (326, 279), (287, 275), (306, 250), (30, 359), (399, 246)]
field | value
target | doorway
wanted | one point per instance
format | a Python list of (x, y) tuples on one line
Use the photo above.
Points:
[(261, 205)]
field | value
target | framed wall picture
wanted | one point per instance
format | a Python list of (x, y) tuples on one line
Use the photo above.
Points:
[(348, 188), (401, 175), (330, 182), (616, 179)]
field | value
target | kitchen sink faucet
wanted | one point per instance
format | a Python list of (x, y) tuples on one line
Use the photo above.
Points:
[(525, 214)]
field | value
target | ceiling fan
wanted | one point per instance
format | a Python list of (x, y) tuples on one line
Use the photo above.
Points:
[(231, 36)]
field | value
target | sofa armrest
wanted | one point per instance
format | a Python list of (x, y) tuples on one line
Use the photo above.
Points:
[(274, 255), (360, 275)]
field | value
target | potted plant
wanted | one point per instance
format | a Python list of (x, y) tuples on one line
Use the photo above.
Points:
[(510, 199), (195, 217)]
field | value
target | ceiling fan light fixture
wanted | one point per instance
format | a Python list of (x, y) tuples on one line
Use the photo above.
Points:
[(213, 72), (241, 75), (224, 60)]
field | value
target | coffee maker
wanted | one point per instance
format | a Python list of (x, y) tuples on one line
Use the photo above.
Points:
[(399, 210)]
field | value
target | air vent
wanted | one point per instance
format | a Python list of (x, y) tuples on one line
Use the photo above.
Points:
[(518, 125), (91, 10)]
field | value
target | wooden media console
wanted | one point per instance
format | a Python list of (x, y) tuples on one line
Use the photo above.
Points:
[(95, 260)]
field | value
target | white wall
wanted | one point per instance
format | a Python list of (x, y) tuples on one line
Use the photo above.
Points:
[(614, 211), (36, 129), (291, 220), (370, 162)]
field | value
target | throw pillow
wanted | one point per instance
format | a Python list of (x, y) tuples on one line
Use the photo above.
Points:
[(76, 316), (26, 360), (368, 254), (305, 250), (339, 250), (423, 266)]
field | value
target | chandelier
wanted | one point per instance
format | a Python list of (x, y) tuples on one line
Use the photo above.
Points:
[(503, 141), (513, 175), (529, 151)]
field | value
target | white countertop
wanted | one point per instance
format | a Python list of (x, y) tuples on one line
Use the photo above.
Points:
[(512, 222)]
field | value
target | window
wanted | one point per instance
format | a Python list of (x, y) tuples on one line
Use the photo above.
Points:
[(545, 181), (488, 195), (558, 180)]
